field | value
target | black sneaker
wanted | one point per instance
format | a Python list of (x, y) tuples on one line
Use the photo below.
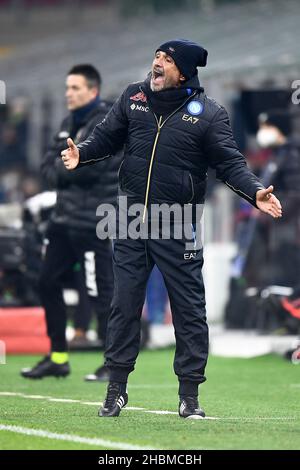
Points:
[(100, 375), (46, 368), (189, 408), (115, 400), (42, 361)]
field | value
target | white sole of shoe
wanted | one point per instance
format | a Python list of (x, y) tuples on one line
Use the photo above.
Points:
[(195, 417)]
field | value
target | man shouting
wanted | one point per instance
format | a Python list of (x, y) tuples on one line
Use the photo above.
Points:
[(171, 133)]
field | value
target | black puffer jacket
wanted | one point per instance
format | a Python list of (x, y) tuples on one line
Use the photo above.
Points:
[(80, 192), (166, 159)]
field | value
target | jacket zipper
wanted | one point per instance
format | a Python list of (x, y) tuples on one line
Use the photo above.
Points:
[(159, 126), (150, 166)]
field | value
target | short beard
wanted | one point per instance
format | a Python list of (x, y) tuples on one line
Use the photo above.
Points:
[(153, 88), (165, 86)]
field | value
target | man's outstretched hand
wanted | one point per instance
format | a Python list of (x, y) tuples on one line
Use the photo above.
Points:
[(70, 156), (268, 203)]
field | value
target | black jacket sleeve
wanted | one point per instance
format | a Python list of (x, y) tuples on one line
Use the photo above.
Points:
[(53, 170), (55, 174), (108, 137), (226, 159)]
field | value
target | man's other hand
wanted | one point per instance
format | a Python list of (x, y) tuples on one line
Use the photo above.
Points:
[(70, 156), (268, 203)]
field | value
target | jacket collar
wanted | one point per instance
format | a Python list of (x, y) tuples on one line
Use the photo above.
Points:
[(82, 115), (164, 102)]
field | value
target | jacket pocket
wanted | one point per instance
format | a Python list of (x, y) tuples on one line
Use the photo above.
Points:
[(188, 188), (120, 174)]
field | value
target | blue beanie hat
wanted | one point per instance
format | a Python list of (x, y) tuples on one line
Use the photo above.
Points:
[(186, 54)]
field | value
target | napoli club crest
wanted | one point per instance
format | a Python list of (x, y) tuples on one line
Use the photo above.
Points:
[(195, 108)]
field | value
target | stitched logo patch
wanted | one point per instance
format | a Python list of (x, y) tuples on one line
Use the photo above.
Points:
[(139, 97), (195, 108)]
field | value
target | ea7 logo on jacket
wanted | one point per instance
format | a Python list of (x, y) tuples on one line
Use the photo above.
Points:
[(139, 107), (190, 255), (194, 108), (139, 97), (190, 119)]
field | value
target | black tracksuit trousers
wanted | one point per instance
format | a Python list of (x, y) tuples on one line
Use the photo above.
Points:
[(133, 262), (65, 248)]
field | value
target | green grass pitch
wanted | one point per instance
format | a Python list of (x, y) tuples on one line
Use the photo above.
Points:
[(256, 403)]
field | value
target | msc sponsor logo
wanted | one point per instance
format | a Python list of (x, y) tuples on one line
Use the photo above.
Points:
[(190, 119), (139, 97), (139, 107)]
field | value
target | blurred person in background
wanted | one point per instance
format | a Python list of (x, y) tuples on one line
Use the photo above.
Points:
[(71, 236), (283, 167), (275, 133), (274, 129), (14, 134), (257, 239), (172, 132)]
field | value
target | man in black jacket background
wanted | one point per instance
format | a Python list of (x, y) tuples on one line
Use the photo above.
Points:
[(71, 235), (172, 133)]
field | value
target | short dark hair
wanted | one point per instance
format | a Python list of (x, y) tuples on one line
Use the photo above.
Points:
[(91, 74), (279, 118)]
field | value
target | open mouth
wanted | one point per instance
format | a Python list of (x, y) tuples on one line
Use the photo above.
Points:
[(157, 76)]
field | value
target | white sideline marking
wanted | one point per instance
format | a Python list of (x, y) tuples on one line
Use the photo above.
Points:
[(93, 403), (92, 441), (62, 400), (90, 403), (259, 418), (135, 408)]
